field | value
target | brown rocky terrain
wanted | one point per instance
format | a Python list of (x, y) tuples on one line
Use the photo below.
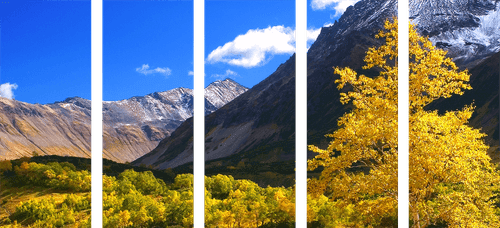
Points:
[(131, 127)]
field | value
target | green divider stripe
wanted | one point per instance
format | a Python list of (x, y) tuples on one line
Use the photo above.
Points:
[(300, 112), (96, 113), (403, 113)]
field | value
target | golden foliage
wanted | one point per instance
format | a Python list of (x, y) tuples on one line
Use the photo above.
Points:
[(451, 178), (139, 199)]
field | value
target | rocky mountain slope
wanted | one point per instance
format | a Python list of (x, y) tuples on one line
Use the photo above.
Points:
[(131, 127), (258, 126)]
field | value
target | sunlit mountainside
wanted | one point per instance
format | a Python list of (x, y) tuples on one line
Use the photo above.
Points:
[(132, 127)]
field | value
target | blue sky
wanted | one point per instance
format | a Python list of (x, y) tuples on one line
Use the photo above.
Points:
[(45, 46)]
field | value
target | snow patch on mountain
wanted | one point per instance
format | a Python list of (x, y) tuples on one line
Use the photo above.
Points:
[(219, 93), (469, 31)]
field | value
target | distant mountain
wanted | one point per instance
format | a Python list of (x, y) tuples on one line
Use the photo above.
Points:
[(468, 30), (258, 127), (131, 127)]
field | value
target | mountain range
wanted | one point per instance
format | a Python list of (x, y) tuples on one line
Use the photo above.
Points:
[(258, 127), (131, 127)]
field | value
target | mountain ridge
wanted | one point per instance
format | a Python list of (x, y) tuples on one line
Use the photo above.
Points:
[(258, 126), (63, 127)]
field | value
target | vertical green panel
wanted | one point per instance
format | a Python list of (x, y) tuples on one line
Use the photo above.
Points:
[(403, 113), (300, 112), (96, 113), (199, 153)]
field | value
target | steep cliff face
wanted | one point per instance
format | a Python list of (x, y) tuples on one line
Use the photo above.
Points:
[(259, 125), (131, 127)]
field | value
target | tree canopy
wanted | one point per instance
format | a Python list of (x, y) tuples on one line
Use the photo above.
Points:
[(452, 181)]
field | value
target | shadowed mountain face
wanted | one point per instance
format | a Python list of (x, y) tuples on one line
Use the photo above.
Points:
[(131, 127), (484, 96), (258, 126)]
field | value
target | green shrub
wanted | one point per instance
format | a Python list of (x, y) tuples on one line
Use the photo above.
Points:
[(77, 203), (5, 166)]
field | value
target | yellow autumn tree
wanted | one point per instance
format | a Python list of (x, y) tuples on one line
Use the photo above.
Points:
[(451, 178)]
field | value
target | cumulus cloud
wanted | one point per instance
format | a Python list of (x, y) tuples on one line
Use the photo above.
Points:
[(6, 90), (253, 48), (228, 74), (339, 5), (257, 46), (145, 70)]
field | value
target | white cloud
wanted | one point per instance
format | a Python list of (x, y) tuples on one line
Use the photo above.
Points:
[(339, 5), (328, 24), (312, 34), (228, 74), (253, 48), (145, 70), (6, 90)]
